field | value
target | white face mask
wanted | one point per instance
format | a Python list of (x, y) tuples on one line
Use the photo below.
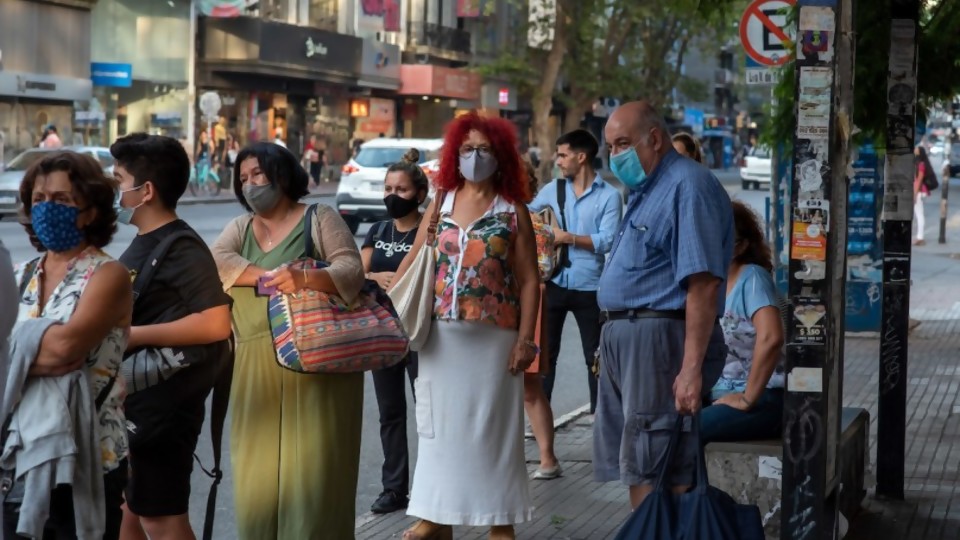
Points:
[(478, 166)]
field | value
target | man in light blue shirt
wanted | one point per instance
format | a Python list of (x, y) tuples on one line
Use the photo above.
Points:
[(661, 293), (589, 218)]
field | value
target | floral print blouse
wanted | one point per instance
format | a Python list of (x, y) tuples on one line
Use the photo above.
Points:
[(753, 291), (104, 360), (474, 280)]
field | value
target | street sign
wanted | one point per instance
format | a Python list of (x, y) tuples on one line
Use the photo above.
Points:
[(763, 31), (210, 104), (760, 76)]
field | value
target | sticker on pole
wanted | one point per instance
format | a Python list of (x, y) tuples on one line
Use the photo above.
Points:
[(764, 32)]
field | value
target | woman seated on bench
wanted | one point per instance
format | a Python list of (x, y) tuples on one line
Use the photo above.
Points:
[(747, 401)]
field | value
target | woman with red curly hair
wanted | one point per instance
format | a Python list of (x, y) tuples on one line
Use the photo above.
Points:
[(471, 468)]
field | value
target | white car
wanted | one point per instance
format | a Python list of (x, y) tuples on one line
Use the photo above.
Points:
[(360, 194), (12, 174), (756, 169)]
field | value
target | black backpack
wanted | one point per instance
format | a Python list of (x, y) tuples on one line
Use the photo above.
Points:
[(213, 375), (930, 179)]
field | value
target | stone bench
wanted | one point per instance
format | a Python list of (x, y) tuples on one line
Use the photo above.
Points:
[(751, 471)]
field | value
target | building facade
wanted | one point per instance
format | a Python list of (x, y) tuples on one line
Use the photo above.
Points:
[(44, 70)]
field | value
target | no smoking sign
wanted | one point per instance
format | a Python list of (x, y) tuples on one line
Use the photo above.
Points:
[(763, 31)]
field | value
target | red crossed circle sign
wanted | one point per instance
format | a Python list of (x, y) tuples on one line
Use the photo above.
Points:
[(764, 40)]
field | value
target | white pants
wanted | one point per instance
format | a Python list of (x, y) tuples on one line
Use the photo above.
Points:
[(918, 214)]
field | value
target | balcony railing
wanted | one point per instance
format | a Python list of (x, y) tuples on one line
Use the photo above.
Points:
[(439, 37)]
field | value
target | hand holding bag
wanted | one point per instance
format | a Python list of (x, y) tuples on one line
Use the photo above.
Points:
[(413, 294), (703, 513), (317, 332)]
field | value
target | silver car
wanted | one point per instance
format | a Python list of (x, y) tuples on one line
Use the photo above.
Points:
[(360, 193), (13, 173)]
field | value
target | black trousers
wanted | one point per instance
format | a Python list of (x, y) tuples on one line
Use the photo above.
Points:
[(61, 524), (583, 305), (389, 385)]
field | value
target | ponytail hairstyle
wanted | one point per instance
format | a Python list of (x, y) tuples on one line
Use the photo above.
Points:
[(410, 165), (691, 144)]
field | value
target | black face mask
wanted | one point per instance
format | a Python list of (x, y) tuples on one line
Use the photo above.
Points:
[(399, 207)]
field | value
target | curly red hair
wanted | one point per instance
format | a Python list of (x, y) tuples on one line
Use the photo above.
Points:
[(510, 181)]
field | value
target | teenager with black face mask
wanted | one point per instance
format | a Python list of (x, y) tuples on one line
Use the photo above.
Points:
[(387, 243)]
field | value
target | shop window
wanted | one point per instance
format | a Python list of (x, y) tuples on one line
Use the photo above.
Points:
[(323, 14)]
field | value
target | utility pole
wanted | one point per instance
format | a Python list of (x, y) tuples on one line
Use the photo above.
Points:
[(817, 269), (897, 225)]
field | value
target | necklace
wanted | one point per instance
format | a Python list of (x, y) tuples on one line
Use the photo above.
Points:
[(266, 230), (392, 248)]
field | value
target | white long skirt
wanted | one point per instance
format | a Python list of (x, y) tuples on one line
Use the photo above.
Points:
[(471, 468)]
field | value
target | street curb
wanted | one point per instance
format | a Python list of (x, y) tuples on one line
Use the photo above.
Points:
[(571, 417), (558, 424)]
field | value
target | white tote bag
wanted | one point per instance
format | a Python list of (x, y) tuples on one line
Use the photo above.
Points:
[(414, 293)]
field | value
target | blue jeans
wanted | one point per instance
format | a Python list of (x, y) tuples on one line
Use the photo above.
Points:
[(722, 423)]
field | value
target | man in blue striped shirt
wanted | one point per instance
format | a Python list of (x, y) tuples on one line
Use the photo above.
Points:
[(661, 293), (591, 212)]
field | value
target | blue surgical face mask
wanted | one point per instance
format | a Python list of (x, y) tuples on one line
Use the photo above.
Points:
[(627, 168), (124, 214), (55, 225)]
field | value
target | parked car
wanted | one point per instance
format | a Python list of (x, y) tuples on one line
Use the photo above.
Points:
[(360, 193), (756, 169), (14, 171)]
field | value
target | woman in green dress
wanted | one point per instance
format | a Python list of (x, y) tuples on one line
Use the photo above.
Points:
[(295, 438)]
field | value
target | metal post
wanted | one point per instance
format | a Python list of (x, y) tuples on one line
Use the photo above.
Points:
[(817, 267), (944, 192), (897, 225)]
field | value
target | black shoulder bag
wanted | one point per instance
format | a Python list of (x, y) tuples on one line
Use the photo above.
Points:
[(220, 399), (563, 255)]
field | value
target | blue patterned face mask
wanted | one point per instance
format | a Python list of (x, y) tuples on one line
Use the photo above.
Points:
[(55, 225)]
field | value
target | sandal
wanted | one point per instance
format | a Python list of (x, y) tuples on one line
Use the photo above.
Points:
[(502, 532), (428, 530)]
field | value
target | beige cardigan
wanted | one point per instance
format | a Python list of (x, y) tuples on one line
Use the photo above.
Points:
[(331, 236)]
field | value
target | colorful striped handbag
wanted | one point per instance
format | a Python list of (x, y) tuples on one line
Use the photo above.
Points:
[(315, 332)]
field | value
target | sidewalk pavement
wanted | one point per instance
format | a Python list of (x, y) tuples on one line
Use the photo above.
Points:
[(575, 507), (325, 189)]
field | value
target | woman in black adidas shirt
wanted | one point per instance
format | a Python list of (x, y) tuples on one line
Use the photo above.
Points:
[(387, 243)]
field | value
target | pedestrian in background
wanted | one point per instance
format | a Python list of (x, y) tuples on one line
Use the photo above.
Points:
[(181, 323), (535, 401), (50, 139), (661, 293), (294, 438), (747, 400), (922, 168), (471, 468), (388, 242), (590, 212), (688, 146), (68, 211)]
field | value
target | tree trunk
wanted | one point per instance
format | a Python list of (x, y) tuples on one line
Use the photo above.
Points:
[(575, 114), (543, 97)]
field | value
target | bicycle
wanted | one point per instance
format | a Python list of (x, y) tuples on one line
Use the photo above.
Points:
[(203, 179)]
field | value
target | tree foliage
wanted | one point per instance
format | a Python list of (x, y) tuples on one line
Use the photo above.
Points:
[(626, 49), (938, 64)]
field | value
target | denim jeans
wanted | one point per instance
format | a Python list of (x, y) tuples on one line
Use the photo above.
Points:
[(722, 423)]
